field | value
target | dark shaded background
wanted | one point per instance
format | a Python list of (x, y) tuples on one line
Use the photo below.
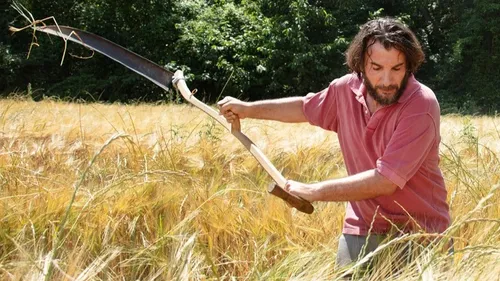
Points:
[(249, 49)]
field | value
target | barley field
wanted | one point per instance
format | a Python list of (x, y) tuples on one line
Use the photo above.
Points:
[(161, 192)]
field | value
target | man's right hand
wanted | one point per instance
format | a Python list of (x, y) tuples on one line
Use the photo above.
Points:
[(232, 109)]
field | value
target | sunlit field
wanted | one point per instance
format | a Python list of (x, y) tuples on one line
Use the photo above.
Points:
[(162, 192)]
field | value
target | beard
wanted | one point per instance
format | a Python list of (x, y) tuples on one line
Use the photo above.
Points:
[(384, 99)]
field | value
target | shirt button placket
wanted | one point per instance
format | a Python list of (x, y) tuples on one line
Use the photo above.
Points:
[(367, 114)]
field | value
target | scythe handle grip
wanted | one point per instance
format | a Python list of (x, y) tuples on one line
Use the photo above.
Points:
[(236, 125), (295, 201)]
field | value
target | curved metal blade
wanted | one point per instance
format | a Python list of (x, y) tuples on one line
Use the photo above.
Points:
[(140, 65)]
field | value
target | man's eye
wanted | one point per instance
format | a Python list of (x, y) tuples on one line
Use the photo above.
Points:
[(397, 69), (376, 68)]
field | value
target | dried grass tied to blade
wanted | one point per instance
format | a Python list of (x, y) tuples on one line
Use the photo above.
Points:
[(25, 13)]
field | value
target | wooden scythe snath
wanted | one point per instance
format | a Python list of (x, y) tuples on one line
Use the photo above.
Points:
[(164, 78)]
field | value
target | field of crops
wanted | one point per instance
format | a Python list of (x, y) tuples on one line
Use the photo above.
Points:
[(162, 192)]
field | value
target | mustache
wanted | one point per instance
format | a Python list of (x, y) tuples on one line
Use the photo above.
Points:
[(387, 88)]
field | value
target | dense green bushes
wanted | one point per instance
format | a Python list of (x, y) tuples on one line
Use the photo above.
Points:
[(251, 49)]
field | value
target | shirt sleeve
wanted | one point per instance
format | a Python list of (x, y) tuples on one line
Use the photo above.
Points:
[(414, 137), (320, 108)]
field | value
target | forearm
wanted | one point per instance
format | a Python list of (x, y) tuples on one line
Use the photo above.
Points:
[(365, 185), (284, 110)]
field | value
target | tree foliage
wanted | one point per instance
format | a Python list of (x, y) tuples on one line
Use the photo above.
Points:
[(251, 49)]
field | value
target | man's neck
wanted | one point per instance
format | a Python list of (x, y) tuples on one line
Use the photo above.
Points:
[(372, 104)]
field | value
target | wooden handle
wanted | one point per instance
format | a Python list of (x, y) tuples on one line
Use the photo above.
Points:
[(299, 203), (295, 201), (236, 125)]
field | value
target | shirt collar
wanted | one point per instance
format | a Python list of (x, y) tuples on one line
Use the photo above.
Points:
[(358, 87)]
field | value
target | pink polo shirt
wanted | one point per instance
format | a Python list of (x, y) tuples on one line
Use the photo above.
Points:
[(401, 141)]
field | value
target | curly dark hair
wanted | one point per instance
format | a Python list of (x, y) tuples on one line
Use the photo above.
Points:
[(391, 33)]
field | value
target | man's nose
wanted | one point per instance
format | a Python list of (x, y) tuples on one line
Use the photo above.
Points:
[(387, 79)]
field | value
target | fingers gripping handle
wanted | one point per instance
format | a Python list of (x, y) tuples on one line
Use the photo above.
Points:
[(295, 201), (236, 125)]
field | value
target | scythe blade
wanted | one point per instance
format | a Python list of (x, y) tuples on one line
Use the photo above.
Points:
[(140, 65)]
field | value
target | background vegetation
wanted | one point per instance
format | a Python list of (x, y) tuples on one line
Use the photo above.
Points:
[(263, 48)]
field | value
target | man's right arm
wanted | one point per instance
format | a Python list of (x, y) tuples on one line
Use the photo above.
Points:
[(283, 109)]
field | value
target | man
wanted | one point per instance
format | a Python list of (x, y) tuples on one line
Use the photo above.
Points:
[(388, 129)]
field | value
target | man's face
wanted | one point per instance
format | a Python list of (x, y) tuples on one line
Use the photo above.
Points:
[(385, 74)]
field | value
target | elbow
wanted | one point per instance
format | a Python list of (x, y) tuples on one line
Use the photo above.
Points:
[(300, 115), (387, 187)]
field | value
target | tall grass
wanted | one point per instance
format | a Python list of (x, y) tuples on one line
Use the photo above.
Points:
[(177, 198)]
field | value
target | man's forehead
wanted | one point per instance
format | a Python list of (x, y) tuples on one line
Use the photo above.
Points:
[(378, 54)]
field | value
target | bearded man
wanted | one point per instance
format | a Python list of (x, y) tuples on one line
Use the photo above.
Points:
[(388, 127)]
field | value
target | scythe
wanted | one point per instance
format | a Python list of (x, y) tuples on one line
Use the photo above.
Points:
[(164, 79)]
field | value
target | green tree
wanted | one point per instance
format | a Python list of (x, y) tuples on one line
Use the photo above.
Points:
[(469, 69), (268, 48)]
